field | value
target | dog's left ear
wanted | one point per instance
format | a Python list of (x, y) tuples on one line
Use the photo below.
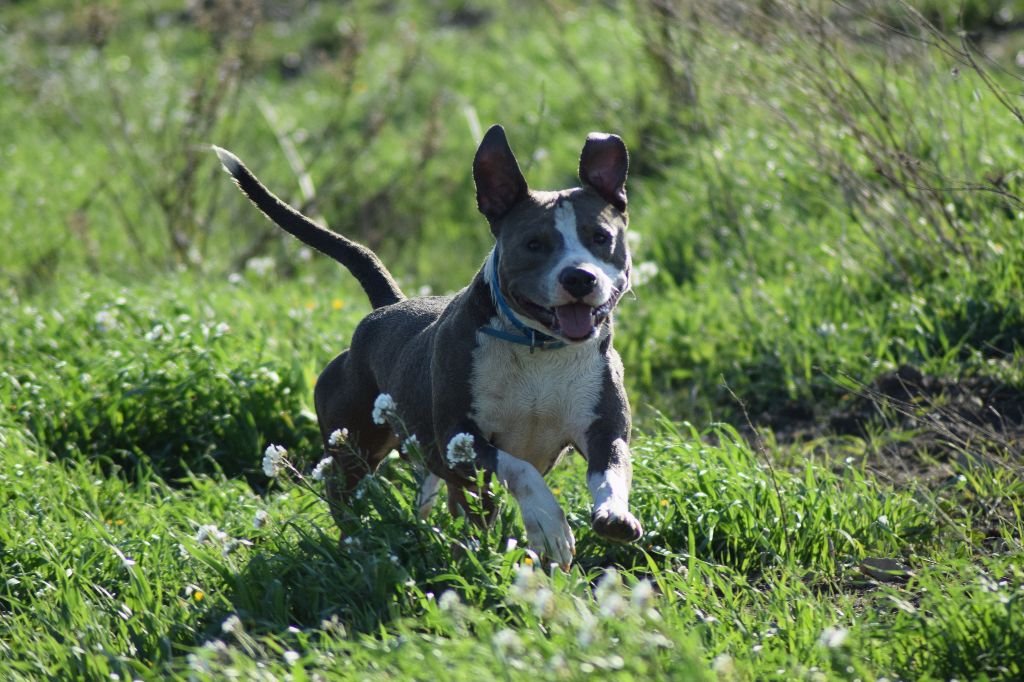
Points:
[(603, 166)]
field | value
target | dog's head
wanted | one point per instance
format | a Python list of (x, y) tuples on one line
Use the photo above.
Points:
[(564, 262)]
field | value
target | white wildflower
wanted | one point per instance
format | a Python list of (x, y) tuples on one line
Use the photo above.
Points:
[(641, 594), (272, 457), (832, 638), (644, 273), (232, 624), (211, 533), (338, 438), (321, 469), (126, 561), (460, 449), (260, 519), (506, 640), (383, 409), (410, 444), (156, 333), (542, 601), (106, 320), (260, 265), (291, 657), (448, 601), (609, 595)]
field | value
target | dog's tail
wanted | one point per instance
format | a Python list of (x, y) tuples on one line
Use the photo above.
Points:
[(364, 264)]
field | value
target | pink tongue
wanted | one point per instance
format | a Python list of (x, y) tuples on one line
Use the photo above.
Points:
[(575, 320)]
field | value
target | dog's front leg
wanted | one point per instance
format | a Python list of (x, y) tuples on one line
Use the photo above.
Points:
[(547, 530), (609, 469)]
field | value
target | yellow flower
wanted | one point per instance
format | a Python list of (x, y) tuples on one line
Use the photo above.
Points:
[(198, 595), (337, 304), (556, 491), (310, 305), (528, 561), (664, 503)]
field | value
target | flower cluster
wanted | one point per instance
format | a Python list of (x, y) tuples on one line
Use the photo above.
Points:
[(384, 409), (273, 460), (338, 438), (321, 468), (460, 449), (410, 445)]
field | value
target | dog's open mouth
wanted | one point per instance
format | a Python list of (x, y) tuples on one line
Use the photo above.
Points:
[(574, 321)]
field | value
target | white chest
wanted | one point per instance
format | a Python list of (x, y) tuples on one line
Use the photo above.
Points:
[(534, 405)]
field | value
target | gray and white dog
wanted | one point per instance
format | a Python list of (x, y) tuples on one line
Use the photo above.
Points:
[(518, 366)]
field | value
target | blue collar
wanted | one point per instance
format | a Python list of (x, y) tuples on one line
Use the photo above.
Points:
[(526, 336)]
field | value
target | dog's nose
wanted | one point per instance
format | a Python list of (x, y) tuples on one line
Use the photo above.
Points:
[(577, 281)]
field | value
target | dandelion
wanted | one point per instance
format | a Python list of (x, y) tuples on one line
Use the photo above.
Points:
[(272, 460), (321, 468), (337, 304), (260, 519), (460, 449), (198, 595), (232, 625), (384, 409), (337, 438)]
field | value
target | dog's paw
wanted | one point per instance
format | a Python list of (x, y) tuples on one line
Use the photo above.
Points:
[(548, 532), (617, 525)]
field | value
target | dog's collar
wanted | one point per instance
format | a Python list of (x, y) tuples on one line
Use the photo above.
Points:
[(527, 336)]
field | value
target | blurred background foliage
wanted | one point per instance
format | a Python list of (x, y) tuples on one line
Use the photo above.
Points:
[(820, 192)]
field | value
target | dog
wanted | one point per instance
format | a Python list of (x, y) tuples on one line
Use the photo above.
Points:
[(510, 372)]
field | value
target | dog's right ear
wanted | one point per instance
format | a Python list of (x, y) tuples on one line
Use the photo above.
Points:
[(499, 182)]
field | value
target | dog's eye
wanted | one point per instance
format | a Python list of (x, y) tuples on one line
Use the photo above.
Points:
[(533, 245), (601, 237)]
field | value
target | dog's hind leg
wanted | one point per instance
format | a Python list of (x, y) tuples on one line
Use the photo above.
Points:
[(344, 400)]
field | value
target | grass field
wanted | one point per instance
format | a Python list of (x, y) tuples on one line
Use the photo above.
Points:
[(825, 352)]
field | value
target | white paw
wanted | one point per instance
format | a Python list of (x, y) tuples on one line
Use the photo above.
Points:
[(547, 530), (616, 523)]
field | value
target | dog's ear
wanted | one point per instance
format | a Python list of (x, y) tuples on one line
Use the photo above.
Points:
[(603, 166), (499, 182)]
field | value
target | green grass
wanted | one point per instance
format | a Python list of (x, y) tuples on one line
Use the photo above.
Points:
[(822, 203)]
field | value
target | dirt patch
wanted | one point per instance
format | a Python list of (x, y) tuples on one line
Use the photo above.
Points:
[(917, 424)]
